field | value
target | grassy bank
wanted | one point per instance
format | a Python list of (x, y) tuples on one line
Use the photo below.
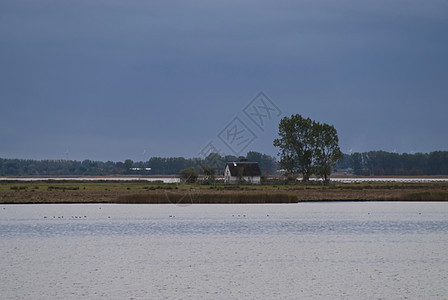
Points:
[(146, 192), (208, 198)]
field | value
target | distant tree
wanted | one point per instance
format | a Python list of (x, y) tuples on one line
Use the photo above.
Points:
[(344, 162), (119, 167), (356, 163), (189, 175), (438, 162), (327, 150), (297, 144), (267, 163), (366, 163), (128, 164), (254, 156), (228, 158), (216, 161), (209, 173), (419, 163)]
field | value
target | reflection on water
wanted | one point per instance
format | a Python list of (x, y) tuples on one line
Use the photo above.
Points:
[(308, 250), (150, 179)]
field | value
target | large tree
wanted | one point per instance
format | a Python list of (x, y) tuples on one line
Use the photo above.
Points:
[(296, 143), (307, 147)]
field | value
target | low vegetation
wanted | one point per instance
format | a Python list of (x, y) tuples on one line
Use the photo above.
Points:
[(209, 198), (147, 192), (425, 196)]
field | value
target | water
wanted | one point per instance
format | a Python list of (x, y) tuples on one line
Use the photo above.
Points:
[(177, 179), (290, 251), (391, 179), (150, 179)]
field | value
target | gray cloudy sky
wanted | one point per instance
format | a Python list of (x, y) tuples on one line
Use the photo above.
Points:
[(106, 80)]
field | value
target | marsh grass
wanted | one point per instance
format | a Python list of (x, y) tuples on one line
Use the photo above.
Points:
[(54, 191), (208, 198), (425, 196)]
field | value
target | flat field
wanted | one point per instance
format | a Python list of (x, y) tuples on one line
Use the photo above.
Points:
[(139, 191)]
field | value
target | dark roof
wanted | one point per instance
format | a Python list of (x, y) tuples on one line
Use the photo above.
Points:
[(249, 168)]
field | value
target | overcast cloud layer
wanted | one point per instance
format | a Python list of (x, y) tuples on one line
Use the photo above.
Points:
[(107, 80)]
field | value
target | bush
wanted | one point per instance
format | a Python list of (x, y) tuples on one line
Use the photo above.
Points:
[(189, 175)]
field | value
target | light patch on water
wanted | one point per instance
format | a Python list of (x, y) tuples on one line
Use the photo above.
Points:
[(151, 179)]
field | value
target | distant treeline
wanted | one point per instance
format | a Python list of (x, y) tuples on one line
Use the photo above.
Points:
[(158, 165), (379, 163), (373, 163)]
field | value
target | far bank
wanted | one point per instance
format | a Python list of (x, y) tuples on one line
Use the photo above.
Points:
[(139, 191)]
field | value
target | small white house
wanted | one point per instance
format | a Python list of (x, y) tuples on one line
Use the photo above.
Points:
[(236, 172)]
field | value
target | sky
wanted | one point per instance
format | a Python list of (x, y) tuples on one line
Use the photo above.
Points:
[(115, 80)]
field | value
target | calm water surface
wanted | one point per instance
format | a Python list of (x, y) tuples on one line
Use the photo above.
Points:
[(310, 250)]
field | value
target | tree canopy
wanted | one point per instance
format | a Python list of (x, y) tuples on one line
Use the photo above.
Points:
[(382, 163), (307, 147)]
